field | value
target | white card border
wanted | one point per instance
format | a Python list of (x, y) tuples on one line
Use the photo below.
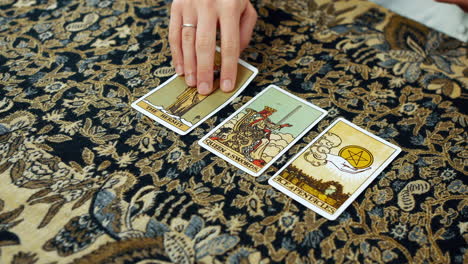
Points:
[(353, 197), (324, 113), (175, 129)]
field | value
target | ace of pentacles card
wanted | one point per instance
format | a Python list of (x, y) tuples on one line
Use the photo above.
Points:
[(329, 173)]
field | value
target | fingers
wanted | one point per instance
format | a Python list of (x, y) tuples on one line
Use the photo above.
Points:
[(463, 4), (451, 1), (193, 48), (248, 20), (205, 49), (175, 28), (188, 43), (230, 48)]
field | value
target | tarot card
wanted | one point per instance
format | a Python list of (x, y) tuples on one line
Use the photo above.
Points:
[(181, 108), (262, 130), (330, 172)]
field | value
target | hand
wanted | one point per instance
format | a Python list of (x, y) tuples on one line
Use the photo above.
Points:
[(463, 4), (344, 165), (193, 48)]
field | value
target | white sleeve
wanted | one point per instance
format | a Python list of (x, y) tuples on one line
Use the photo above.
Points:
[(446, 18)]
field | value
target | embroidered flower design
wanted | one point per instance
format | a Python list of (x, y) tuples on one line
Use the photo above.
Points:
[(417, 235), (175, 155), (190, 241), (408, 108), (54, 87), (448, 174), (399, 231), (134, 82), (287, 221)]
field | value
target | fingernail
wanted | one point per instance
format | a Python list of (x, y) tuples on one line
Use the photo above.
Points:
[(190, 80), (204, 88), (227, 86), (179, 70)]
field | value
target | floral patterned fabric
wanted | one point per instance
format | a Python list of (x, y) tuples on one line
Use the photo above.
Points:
[(87, 179)]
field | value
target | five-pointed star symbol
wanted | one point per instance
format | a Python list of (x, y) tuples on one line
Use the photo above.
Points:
[(355, 157)]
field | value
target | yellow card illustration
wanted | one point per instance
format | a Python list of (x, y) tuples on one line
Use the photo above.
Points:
[(181, 108), (335, 168)]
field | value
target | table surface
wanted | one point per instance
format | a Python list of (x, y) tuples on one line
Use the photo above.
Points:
[(87, 179)]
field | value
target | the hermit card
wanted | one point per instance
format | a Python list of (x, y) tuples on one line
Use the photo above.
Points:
[(181, 108), (330, 172), (262, 130)]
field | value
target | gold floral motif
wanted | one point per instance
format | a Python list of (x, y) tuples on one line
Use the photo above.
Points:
[(87, 179)]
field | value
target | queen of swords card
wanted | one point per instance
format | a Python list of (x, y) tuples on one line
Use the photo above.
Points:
[(262, 130)]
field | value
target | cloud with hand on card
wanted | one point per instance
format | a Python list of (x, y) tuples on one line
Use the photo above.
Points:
[(317, 154), (278, 142)]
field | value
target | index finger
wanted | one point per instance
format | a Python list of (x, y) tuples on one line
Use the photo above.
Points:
[(205, 48), (175, 26), (230, 47)]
